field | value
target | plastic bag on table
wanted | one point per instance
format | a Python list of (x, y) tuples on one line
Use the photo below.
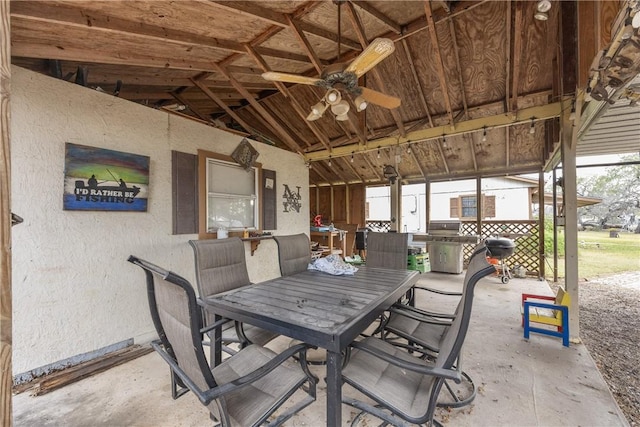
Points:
[(334, 265)]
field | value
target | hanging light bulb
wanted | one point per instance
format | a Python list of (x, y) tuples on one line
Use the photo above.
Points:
[(408, 149), (352, 157), (361, 103), (340, 108), (444, 141), (333, 96), (329, 161), (484, 134), (532, 129), (378, 152)]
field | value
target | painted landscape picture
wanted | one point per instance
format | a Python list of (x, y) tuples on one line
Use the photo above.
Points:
[(97, 179)]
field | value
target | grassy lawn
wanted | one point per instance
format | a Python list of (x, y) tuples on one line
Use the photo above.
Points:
[(601, 255)]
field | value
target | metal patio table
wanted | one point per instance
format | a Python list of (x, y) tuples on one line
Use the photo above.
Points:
[(319, 309)]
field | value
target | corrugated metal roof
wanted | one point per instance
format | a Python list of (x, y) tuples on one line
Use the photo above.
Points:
[(610, 128)]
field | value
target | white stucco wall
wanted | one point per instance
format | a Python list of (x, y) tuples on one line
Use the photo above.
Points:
[(73, 291)]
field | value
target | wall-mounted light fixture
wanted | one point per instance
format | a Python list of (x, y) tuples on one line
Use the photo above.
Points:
[(390, 173)]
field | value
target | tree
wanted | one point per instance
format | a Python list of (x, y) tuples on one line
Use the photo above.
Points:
[(619, 189)]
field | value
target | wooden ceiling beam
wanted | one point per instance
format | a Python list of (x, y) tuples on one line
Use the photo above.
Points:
[(500, 120), (472, 150), (347, 162), (517, 48), (438, 59), (302, 39), (416, 81), (362, 38), (316, 168), (193, 109), (384, 19), (372, 167), (417, 162), (509, 55), (286, 138), (456, 55), (279, 19), (324, 140), (215, 98)]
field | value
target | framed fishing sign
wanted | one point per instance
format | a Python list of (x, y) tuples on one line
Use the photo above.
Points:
[(96, 179)]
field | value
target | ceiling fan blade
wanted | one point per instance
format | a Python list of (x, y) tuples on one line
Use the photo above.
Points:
[(379, 98), (290, 78), (378, 50)]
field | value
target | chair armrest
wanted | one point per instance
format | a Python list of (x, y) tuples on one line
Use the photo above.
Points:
[(422, 315), (415, 367), (215, 325), (438, 291), (207, 396), (541, 297)]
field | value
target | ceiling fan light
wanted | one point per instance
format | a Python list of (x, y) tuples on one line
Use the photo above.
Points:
[(333, 96), (319, 108), (312, 116), (340, 109), (541, 16), (342, 117), (361, 103), (543, 6)]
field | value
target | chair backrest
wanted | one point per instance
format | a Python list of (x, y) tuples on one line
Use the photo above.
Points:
[(562, 298), (176, 317), (220, 265), (455, 335), (294, 253), (387, 250)]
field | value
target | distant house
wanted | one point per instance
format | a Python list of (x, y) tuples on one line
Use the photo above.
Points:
[(504, 198)]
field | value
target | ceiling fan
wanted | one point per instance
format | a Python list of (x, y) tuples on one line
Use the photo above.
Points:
[(340, 77)]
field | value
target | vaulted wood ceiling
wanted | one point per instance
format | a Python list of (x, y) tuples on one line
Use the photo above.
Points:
[(479, 80)]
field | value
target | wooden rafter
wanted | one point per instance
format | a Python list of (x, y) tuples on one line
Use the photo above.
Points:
[(181, 99), (517, 47), (286, 138), (305, 43), (280, 20), (362, 38), (438, 59), (215, 98), (371, 166), (384, 19), (416, 81), (498, 120), (456, 55), (347, 162), (440, 145), (417, 162), (324, 140), (472, 150)]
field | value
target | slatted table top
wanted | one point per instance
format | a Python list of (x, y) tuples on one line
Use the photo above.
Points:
[(315, 307)]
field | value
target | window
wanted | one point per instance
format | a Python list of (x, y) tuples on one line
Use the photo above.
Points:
[(229, 194), (466, 207)]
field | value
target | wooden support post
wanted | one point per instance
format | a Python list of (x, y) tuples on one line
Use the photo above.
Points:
[(6, 374)]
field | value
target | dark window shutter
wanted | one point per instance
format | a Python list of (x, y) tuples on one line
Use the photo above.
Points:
[(488, 206), (453, 207), (184, 186), (269, 203)]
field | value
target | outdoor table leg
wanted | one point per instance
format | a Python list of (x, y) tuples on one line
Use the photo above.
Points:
[(334, 389), (216, 343)]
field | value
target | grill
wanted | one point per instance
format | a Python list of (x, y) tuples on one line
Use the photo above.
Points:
[(445, 245)]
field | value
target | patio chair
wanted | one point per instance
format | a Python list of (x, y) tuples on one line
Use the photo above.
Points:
[(423, 331), (555, 313), (294, 253), (387, 250), (221, 266), (246, 388), (405, 388)]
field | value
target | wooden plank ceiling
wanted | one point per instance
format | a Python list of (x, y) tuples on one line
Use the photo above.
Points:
[(474, 77)]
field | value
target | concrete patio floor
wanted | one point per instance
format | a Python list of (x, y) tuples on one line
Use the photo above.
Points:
[(520, 383)]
